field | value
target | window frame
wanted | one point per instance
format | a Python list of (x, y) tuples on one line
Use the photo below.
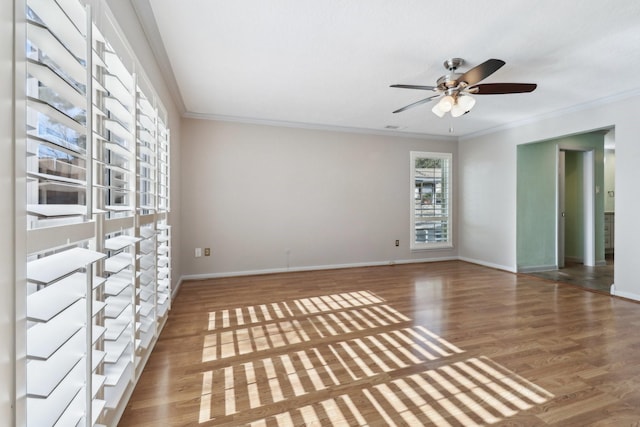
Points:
[(419, 246)]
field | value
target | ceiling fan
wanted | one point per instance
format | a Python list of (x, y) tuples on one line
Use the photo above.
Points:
[(454, 89)]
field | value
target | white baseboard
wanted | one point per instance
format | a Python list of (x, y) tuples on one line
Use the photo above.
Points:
[(537, 268), (174, 291), (488, 264), (623, 294), (309, 268)]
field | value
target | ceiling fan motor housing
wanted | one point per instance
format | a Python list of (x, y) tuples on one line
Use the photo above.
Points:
[(450, 81)]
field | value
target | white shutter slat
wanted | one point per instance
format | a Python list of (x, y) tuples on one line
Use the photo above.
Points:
[(50, 79), (114, 371), (44, 339), (120, 242), (118, 90), (97, 358), (59, 24), (115, 285), (98, 306), (98, 332), (118, 69), (115, 351), (115, 327), (45, 41), (146, 309), (43, 305), (118, 262), (116, 306), (147, 261), (97, 406), (76, 13), (116, 108), (117, 128), (52, 267), (97, 381), (56, 115), (116, 148), (74, 413), (45, 375), (146, 122), (48, 211), (56, 178), (45, 412)]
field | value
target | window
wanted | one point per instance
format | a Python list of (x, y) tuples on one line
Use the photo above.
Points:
[(430, 200), (98, 248)]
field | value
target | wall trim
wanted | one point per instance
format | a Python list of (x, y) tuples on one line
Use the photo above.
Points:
[(623, 294), (553, 114), (316, 126), (489, 264), (206, 276), (147, 20), (176, 288), (537, 268)]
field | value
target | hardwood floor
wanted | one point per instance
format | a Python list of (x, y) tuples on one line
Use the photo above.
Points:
[(445, 344)]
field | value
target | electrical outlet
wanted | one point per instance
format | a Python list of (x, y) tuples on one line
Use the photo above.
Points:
[(207, 251), (198, 252), (397, 242)]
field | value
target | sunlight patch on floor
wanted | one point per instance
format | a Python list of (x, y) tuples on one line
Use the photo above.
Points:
[(474, 391)]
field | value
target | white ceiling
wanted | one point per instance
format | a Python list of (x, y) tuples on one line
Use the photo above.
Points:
[(329, 63)]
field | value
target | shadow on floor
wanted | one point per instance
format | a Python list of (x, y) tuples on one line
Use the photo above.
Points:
[(598, 279)]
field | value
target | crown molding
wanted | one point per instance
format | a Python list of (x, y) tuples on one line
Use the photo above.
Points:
[(315, 126), (147, 20), (556, 113)]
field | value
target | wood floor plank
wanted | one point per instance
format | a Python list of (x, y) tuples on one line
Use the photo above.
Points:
[(443, 344)]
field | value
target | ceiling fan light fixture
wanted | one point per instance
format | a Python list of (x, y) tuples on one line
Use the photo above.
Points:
[(447, 103), (438, 111), (466, 102), (457, 110)]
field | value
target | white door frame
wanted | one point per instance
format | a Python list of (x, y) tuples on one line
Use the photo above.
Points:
[(560, 247), (589, 197)]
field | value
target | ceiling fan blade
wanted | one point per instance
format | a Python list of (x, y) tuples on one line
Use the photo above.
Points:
[(481, 71), (502, 88), (415, 87), (415, 104)]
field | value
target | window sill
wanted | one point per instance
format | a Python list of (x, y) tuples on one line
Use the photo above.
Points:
[(433, 247)]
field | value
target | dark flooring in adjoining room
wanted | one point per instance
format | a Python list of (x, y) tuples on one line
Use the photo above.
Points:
[(597, 279)]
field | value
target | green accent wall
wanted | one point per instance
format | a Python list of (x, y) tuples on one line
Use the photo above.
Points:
[(536, 205), (536, 199)]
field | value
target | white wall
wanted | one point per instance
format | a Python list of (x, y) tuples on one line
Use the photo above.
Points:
[(268, 198), (128, 21), (7, 218), (487, 209), (488, 199)]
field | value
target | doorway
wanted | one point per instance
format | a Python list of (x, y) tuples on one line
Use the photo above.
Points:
[(585, 213), (575, 216), (560, 206)]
